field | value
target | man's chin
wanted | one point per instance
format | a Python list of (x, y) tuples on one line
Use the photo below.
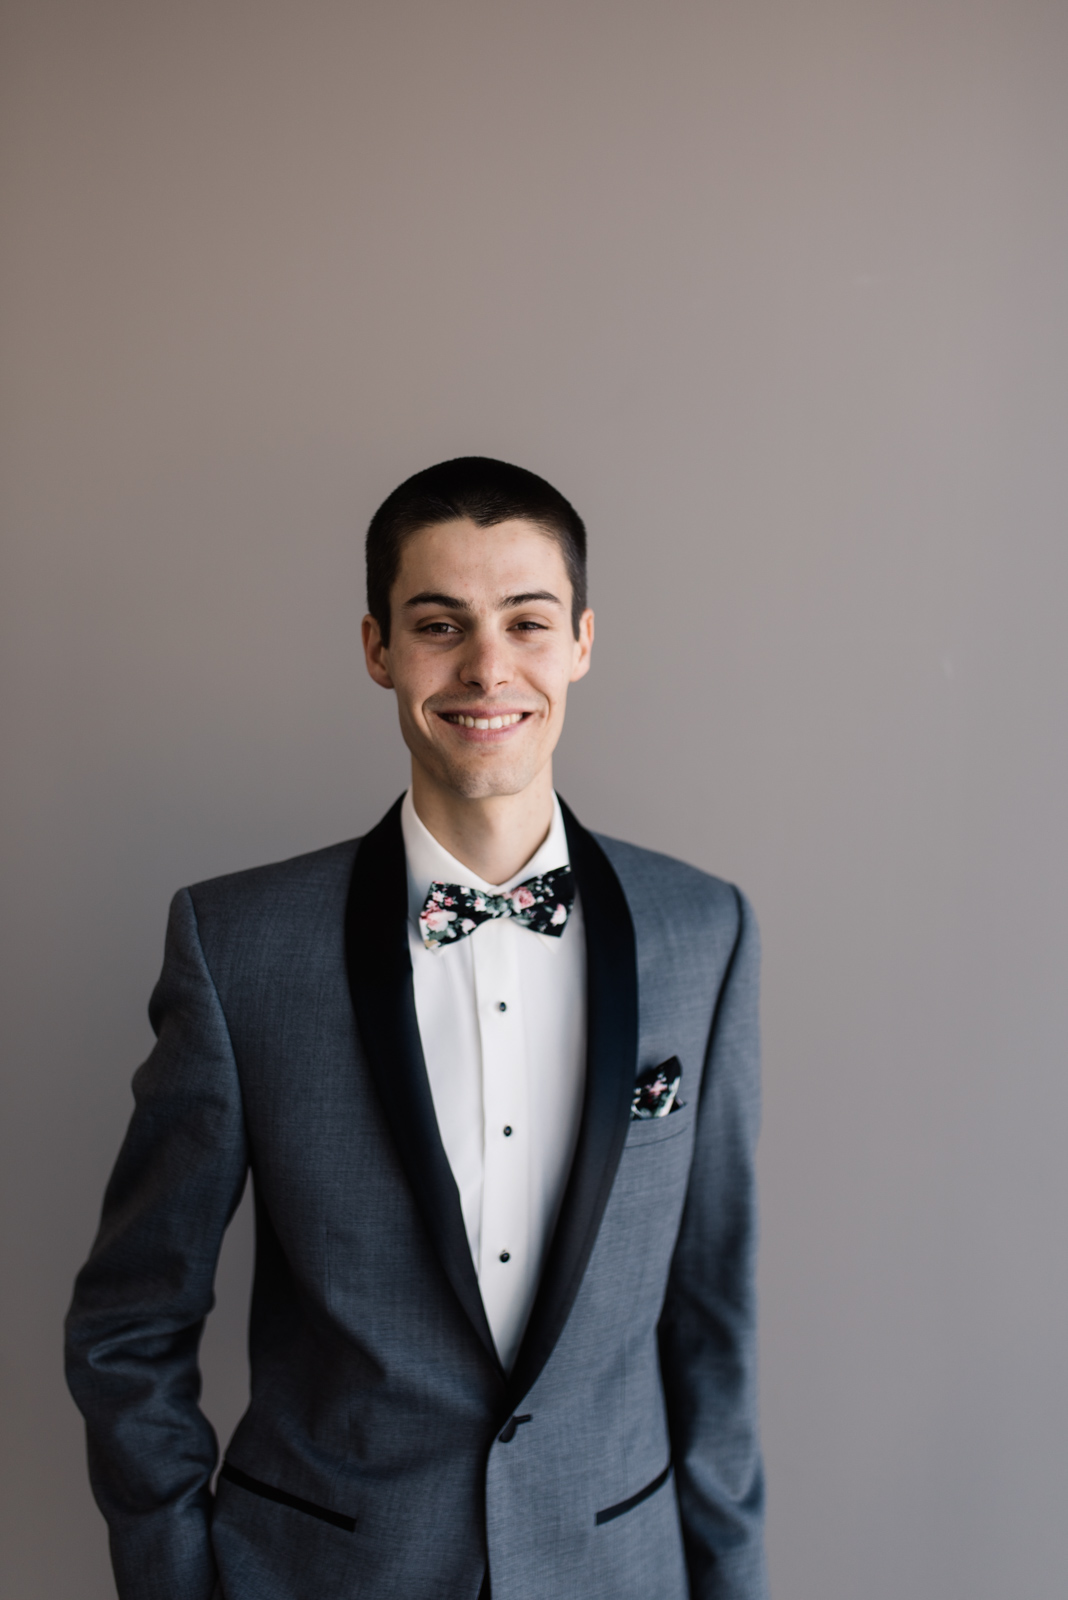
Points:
[(484, 785), (484, 780)]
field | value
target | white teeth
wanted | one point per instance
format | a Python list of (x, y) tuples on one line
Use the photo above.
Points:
[(508, 721)]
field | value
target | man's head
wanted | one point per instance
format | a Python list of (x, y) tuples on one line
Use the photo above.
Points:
[(476, 489), (477, 619)]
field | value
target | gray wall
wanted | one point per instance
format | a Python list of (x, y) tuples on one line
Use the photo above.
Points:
[(776, 292)]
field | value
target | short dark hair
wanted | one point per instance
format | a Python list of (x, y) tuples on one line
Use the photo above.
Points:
[(487, 492)]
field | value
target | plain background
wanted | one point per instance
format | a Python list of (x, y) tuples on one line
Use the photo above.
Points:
[(775, 290)]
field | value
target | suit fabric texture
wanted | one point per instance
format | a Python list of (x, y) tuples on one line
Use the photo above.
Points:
[(384, 1452)]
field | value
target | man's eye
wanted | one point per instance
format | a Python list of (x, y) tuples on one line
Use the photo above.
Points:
[(531, 627), (439, 628)]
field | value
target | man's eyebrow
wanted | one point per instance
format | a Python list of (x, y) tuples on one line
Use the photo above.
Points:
[(526, 599), (429, 597), (449, 602)]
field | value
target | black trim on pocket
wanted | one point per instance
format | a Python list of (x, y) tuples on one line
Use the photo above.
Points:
[(611, 1512), (284, 1498)]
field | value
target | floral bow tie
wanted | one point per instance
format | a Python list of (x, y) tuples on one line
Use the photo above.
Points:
[(542, 904)]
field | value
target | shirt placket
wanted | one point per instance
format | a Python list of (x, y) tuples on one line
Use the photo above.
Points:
[(505, 1250)]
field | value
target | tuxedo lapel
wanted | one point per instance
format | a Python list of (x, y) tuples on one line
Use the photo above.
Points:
[(380, 977), (611, 1067)]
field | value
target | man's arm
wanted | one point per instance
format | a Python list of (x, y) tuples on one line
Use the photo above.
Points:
[(140, 1301), (708, 1326)]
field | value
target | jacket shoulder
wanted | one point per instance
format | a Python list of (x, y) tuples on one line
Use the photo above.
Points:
[(299, 882), (658, 885)]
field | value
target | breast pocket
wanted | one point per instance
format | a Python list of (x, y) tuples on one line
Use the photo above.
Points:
[(645, 1132)]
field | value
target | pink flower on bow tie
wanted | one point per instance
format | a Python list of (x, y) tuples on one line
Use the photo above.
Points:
[(521, 898), (436, 920)]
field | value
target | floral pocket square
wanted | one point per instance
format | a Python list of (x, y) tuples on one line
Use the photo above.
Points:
[(656, 1091)]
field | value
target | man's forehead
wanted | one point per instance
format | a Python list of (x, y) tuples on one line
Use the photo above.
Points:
[(487, 565)]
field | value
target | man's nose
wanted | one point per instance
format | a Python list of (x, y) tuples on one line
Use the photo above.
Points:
[(485, 663)]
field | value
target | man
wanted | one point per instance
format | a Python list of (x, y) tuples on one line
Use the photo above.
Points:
[(496, 1082)]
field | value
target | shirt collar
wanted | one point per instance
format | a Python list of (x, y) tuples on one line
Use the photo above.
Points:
[(429, 862)]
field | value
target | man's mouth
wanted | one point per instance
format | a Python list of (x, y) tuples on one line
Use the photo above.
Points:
[(461, 719)]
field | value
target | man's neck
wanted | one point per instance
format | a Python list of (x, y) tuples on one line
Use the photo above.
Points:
[(495, 836)]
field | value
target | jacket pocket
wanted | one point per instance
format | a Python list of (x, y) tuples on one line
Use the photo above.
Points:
[(653, 1130), (282, 1497), (610, 1513)]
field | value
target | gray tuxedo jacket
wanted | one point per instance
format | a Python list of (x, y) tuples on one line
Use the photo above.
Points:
[(385, 1455)]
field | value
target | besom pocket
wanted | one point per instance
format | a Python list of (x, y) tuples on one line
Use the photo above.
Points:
[(610, 1513), (282, 1497)]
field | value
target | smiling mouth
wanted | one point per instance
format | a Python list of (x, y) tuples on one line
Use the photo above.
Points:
[(460, 719)]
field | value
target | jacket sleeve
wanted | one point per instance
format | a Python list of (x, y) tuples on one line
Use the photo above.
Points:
[(708, 1325), (134, 1327)]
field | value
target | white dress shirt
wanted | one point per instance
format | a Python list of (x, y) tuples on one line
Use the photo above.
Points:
[(502, 1018)]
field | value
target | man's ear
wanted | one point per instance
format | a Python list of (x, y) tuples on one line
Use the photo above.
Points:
[(583, 646), (375, 652)]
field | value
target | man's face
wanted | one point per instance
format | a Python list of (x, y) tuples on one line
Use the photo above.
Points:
[(481, 653)]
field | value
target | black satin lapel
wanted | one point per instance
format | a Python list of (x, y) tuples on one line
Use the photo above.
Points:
[(380, 977), (611, 1065)]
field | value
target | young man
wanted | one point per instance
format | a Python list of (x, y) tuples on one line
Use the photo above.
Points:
[(496, 1082)]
